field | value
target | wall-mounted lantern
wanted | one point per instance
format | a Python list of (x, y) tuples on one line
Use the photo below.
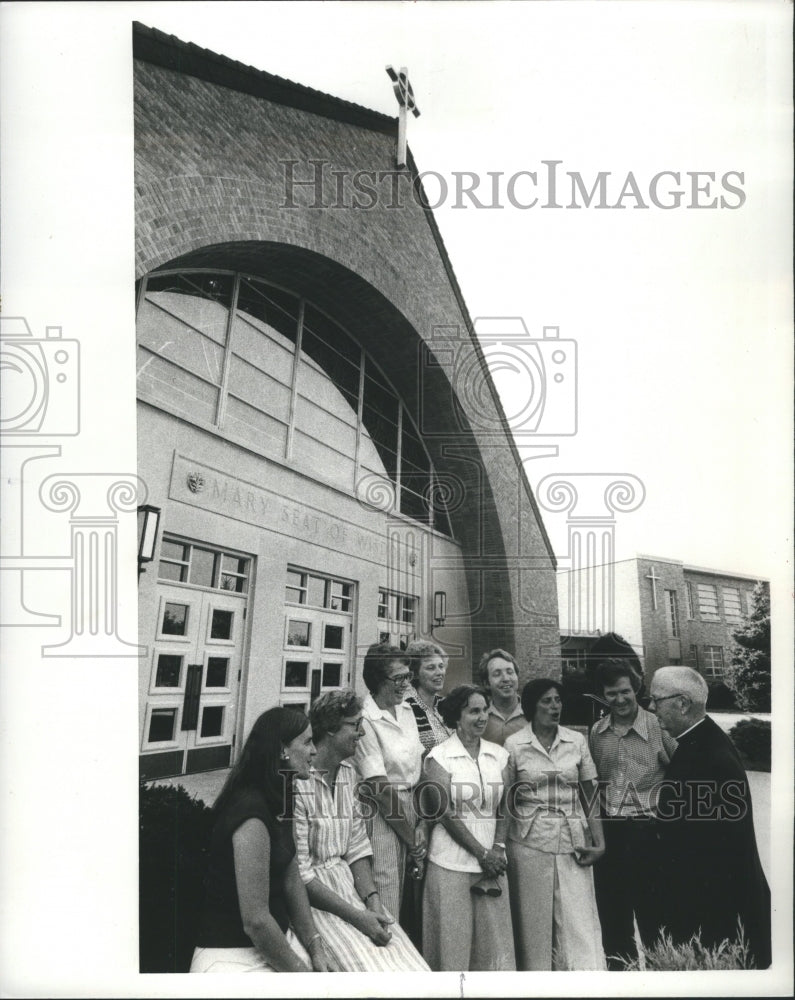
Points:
[(148, 524)]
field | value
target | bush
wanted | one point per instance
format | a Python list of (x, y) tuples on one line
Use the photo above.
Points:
[(665, 956), (173, 847), (720, 697), (752, 738)]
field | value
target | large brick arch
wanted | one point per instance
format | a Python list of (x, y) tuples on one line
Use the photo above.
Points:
[(398, 350), (211, 140)]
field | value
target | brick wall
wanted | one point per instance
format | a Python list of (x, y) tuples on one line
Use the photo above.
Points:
[(210, 189)]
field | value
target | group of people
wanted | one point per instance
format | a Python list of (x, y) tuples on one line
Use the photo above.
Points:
[(411, 831)]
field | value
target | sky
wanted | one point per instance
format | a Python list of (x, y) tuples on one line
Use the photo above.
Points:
[(680, 318)]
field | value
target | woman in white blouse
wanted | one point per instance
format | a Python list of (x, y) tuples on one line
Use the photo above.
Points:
[(554, 837), (334, 854), (388, 759), (465, 928)]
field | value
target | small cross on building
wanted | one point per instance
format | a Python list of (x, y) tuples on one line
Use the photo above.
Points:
[(405, 98), (654, 580)]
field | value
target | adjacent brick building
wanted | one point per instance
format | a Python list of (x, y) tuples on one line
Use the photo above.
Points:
[(316, 422), (670, 612)]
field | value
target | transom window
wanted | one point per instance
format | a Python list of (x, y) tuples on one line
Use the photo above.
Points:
[(273, 372), (183, 562), (317, 591), (397, 617)]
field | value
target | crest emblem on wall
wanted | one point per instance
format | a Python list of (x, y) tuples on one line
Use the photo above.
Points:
[(195, 482)]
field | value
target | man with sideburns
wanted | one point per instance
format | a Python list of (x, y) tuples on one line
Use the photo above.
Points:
[(631, 753)]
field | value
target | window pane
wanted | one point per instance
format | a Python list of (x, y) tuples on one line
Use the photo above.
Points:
[(175, 619), (294, 596), (217, 287), (339, 596), (174, 550), (332, 674), (296, 673), (172, 571), (234, 564), (234, 584), (271, 306), (217, 670), (222, 624), (213, 720), (202, 565), (333, 637), (316, 596), (708, 602), (161, 725), (169, 668), (298, 633), (731, 605)]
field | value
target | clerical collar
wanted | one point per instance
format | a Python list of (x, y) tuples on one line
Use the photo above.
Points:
[(690, 730)]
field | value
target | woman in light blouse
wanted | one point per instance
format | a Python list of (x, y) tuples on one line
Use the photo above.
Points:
[(334, 854), (554, 837), (464, 928), (388, 759)]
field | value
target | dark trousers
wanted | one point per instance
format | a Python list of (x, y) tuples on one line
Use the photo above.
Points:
[(627, 881)]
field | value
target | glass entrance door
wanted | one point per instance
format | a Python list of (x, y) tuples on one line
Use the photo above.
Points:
[(194, 677), (318, 625)]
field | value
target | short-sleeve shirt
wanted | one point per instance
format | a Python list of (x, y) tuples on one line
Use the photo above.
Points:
[(476, 787), (389, 745), (499, 727), (544, 796), (328, 825), (221, 925), (632, 764)]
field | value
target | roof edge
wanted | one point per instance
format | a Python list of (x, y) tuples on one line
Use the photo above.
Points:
[(169, 52)]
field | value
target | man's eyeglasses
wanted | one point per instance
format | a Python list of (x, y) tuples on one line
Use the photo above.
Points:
[(400, 679), (664, 697)]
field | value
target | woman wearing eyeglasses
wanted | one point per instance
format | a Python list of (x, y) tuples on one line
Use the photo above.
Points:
[(388, 759), (333, 852)]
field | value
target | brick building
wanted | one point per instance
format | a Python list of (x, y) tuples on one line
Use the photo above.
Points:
[(671, 613), (316, 422)]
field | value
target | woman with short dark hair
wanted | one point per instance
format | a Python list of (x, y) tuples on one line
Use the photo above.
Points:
[(388, 758), (334, 853), (554, 836), (257, 916), (466, 915)]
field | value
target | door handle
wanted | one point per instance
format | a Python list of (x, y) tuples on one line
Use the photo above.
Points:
[(190, 706)]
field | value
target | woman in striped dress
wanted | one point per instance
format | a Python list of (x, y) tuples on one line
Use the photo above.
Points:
[(335, 855)]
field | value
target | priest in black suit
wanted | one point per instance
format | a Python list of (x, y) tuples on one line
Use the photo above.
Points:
[(712, 873)]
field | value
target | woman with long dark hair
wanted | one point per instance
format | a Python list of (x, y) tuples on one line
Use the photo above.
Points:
[(257, 916)]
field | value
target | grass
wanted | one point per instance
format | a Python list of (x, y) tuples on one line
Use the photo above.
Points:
[(692, 955)]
